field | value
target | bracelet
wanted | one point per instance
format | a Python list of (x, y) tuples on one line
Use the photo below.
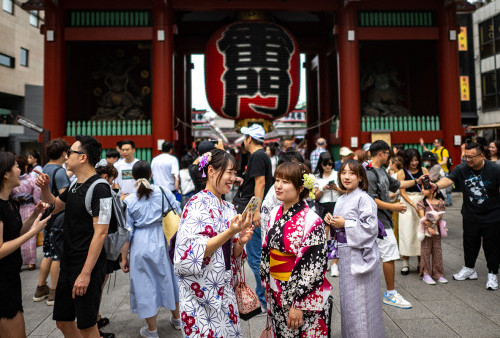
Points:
[(416, 183)]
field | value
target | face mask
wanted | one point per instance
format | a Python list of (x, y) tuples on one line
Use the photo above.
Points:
[(427, 164)]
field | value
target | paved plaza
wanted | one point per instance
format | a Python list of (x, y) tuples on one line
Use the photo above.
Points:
[(457, 309)]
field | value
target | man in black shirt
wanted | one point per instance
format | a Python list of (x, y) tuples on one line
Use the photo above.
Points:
[(479, 181), (256, 182), (82, 263)]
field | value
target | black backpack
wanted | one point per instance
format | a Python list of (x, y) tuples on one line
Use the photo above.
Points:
[(449, 163), (56, 223)]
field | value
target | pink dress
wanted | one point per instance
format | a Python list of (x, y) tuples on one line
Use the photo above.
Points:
[(28, 196)]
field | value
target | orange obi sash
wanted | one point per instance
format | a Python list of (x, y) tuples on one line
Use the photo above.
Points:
[(282, 265)]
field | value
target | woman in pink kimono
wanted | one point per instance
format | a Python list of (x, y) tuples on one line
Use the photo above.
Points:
[(294, 259), (28, 196), (209, 238)]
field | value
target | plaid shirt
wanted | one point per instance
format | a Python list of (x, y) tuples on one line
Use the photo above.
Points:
[(315, 157)]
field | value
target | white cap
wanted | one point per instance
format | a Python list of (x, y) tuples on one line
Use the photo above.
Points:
[(255, 131), (344, 151)]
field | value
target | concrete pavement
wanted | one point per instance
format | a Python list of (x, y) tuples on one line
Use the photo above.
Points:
[(456, 309)]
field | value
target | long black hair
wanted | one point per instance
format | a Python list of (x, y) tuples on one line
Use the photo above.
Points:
[(7, 162), (324, 157), (220, 160)]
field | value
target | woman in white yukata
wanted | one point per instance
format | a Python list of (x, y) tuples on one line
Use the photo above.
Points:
[(209, 238), (152, 279), (356, 226)]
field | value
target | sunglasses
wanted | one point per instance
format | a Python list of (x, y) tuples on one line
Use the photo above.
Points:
[(71, 151), (328, 164)]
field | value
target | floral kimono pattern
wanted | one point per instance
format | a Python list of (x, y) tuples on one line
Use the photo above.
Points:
[(207, 302), (293, 269)]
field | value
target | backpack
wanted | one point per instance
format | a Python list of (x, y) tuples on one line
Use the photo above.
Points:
[(381, 229), (114, 241), (449, 162)]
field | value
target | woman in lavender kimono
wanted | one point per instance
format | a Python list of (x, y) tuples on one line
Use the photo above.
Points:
[(28, 195), (294, 260), (355, 221), (209, 238)]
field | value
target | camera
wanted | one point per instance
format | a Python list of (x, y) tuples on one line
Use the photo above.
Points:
[(426, 182)]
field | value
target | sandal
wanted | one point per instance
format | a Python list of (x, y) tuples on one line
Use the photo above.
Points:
[(405, 270), (31, 267), (102, 322)]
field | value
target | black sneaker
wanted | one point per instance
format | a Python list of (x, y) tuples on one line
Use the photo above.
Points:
[(102, 322), (106, 334), (405, 270)]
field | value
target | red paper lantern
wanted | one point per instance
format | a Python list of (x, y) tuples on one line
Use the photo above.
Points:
[(252, 71)]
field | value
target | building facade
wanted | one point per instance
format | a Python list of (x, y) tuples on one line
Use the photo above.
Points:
[(21, 75)]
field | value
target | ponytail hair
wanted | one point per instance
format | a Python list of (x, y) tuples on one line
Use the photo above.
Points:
[(141, 171)]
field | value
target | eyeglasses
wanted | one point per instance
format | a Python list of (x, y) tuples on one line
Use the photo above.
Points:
[(468, 158), (328, 164), (71, 151)]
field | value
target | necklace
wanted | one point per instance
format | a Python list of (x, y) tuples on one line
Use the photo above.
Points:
[(480, 172), (76, 187)]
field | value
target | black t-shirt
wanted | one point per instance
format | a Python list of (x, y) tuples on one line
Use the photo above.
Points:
[(259, 164), (480, 191), (195, 173), (12, 224), (79, 227)]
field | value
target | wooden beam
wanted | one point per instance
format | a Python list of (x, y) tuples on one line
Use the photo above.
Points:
[(108, 4), (397, 33), (108, 34), (282, 5)]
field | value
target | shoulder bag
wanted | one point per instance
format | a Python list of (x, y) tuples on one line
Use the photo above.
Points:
[(170, 219)]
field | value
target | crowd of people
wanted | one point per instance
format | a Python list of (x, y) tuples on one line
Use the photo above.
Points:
[(355, 215)]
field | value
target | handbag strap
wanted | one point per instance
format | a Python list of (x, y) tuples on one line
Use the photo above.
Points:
[(413, 178), (162, 203), (240, 274), (429, 204)]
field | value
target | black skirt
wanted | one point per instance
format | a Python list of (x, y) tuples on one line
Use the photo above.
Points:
[(10, 295)]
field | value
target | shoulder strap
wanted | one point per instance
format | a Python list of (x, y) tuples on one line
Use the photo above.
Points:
[(54, 189), (88, 194), (429, 204), (162, 203)]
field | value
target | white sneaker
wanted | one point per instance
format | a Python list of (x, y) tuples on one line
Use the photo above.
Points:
[(334, 270), (465, 273), (176, 323), (492, 283), (396, 300), (144, 332)]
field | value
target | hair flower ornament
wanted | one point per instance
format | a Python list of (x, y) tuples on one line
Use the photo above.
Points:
[(204, 161), (309, 182)]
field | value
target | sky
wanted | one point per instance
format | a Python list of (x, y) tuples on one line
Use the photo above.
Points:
[(198, 96)]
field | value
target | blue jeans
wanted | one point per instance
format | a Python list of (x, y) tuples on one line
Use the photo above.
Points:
[(254, 249)]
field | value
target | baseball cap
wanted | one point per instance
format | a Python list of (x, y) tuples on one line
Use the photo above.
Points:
[(344, 151), (205, 146), (255, 131), (428, 156)]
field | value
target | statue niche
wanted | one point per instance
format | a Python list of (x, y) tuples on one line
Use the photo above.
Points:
[(118, 103), (381, 90)]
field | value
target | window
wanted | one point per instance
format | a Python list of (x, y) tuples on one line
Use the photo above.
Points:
[(7, 61), (486, 38), (24, 57), (489, 90), (8, 6), (34, 18)]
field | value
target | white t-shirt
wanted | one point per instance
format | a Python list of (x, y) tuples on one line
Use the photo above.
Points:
[(164, 168), (125, 180), (187, 184), (328, 195)]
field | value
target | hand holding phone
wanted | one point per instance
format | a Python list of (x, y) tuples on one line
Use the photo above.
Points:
[(251, 206), (48, 211)]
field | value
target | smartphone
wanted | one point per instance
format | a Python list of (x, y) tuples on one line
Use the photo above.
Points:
[(251, 206), (332, 183), (48, 211), (426, 182)]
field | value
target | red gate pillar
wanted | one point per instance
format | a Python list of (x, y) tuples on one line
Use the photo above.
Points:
[(449, 88), (325, 94), (162, 114), (54, 78), (348, 69)]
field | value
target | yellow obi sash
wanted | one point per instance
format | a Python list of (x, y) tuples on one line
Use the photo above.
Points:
[(282, 265)]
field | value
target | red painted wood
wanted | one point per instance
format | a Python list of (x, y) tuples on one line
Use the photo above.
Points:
[(348, 68), (448, 81), (162, 68), (397, 33), (103, 5), (54, 79), (224, 5), (108, 34)]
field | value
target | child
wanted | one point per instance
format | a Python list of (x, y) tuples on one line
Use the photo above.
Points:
[(431, 245), (355, 222)]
